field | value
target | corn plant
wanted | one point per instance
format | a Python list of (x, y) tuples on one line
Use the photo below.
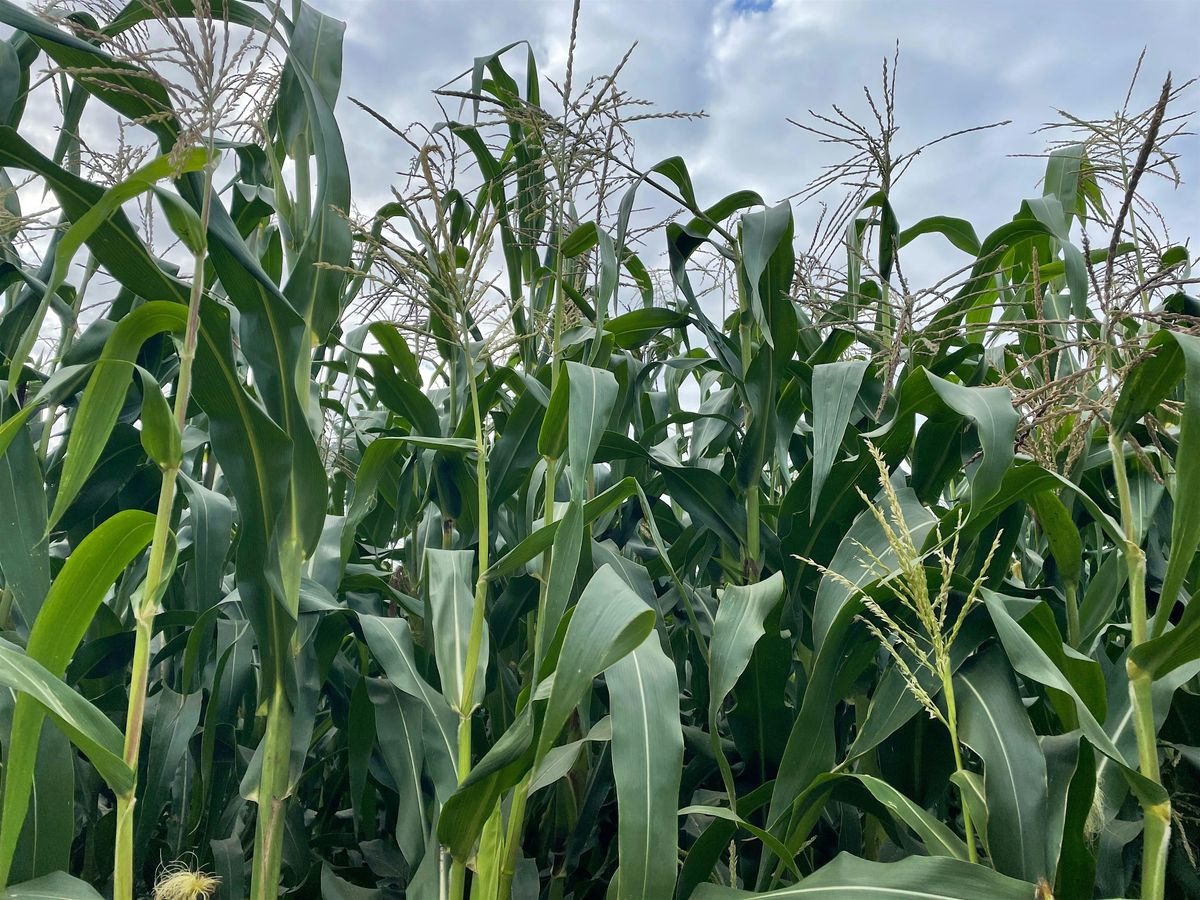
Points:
[(477, 548)]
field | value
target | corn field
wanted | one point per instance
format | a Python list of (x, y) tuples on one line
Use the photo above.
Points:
[(515, 541)]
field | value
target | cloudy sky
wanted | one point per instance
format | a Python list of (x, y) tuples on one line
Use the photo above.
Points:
[(751, 64)]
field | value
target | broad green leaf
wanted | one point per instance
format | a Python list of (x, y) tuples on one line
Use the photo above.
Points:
[(391, 644), (105, 394), (308, 91), (211, 518), (1049, 211), (610, 620), (762, 232), (939, 840), (543, 538), (87, 727), (1180, 645), (451, 600), (916, 878), (958, 232), (46, 837), (811, 748), (638, 327), (1062, 175), (990, 409), (560, 760), (834, 389), (59, 886), (740, 621), (83, 228), (467, 810), (24, 552), (993, 722), (560, 579), (61, 624), (647, 761), (728, 815), (174, 719), (1032, 661), (709, 500), (398, 718), (593, 392)]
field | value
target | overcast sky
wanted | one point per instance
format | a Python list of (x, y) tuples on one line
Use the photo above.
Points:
[(751, 64)]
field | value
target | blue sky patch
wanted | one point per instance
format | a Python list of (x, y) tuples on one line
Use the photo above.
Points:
[(747, 7)]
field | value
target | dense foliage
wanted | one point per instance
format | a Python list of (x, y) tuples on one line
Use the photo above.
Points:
[(459, 551)]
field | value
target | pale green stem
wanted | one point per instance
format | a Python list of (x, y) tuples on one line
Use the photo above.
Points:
[(272, 794), (1156, 816), (156, 576), (952, 725), (274, 783)]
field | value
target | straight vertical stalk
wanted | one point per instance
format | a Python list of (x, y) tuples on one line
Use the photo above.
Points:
[(1156, 831)]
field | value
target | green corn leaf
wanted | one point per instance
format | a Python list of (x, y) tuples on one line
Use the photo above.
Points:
[(86, 726), (451, 600), (184, 220), (990, 409), (64, 618), (399, 718), (45, 843), (83, 228), (834, 388), (24, 552), (610, 620), (58, 886), (160, 433), (958, 232), (543, 538), (593, 392), (1176, 357), (105, 394), (638, 327), (918, 878), (763, 231), (647, 760), (993, 723), (390, 641), (740, 623), (564, 564)]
